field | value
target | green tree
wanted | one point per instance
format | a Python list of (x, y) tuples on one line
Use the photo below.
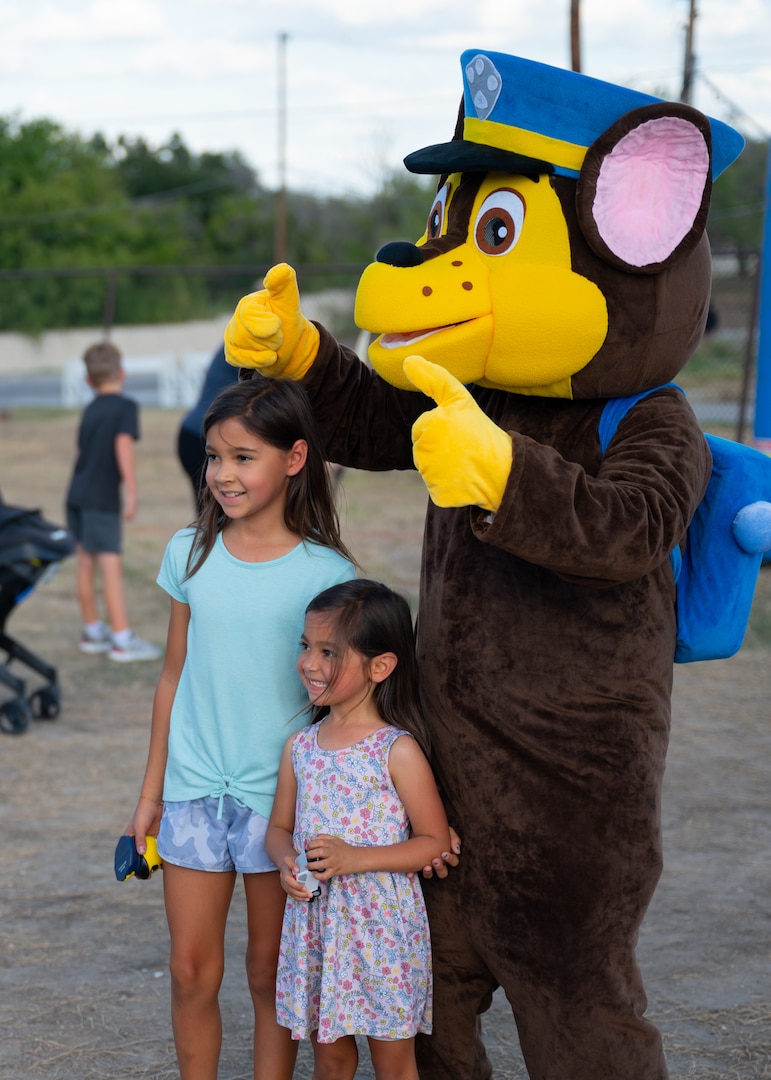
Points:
[(172, 171), (70, 205), (736, 211), (55, 193), (351, 231)]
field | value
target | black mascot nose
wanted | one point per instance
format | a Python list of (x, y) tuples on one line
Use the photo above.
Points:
[(400, 253)]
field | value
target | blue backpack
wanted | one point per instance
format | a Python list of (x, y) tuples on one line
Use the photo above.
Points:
[(717, 572)]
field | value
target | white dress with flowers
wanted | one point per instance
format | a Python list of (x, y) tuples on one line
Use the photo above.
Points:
[(357, 960)]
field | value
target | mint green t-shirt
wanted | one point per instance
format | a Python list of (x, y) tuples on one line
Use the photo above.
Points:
[(239, 696)]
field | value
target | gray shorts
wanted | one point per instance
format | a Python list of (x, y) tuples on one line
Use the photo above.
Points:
[(97, 531), (195, 835)]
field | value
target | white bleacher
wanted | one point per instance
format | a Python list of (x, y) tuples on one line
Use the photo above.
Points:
[(174, 379), (179, 376), (192, 372)]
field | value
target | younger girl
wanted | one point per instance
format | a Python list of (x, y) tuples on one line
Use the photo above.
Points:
[(266, 541), (357, 796)]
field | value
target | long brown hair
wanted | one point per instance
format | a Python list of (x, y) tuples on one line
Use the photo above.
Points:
[(279, 413), (373, 619)]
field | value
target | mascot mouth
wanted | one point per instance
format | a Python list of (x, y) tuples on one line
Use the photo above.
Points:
[(409, 337)]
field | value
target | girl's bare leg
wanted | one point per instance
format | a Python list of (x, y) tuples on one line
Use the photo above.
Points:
[(335, 1061), (393, 1059), (274, 1049), (197, 906)]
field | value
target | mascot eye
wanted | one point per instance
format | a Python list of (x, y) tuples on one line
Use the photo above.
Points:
[(499, 222), (436, 215)]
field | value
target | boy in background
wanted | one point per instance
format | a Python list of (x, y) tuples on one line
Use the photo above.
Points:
[(105, 462)]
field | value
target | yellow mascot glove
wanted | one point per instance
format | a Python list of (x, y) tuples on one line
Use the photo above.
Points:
[(464, 458), (268, 331)]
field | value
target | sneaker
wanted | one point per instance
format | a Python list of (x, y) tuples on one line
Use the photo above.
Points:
[(134, 649), (99, 644)]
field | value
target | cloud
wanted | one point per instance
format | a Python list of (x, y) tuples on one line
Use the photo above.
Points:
[(98, 20), (363, 79), (199, 61), (368, 15)]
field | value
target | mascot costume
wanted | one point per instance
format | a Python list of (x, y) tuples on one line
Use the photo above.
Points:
[(564, 263)]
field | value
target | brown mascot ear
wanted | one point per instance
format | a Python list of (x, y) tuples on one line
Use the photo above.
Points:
[(643, 193)]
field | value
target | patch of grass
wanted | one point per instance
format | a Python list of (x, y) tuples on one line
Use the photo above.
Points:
[(25, 414), (759, 631), (718, 361)]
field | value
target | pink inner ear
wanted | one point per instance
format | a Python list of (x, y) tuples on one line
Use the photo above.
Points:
[(650, 188)]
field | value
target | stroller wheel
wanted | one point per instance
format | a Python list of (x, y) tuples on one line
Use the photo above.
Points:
[(15, 716), (45, 704)]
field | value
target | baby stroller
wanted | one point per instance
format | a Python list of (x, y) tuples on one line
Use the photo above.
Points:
[(31, 549)]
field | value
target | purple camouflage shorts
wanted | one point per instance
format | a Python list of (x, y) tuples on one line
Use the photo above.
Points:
[(201, 835)]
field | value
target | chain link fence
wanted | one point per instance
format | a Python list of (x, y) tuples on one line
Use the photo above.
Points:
[(720, 376)]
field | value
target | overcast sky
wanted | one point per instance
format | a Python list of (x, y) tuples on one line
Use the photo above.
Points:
[(367, 81)]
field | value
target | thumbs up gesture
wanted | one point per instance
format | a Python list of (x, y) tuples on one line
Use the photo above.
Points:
[(268, 330), (464, 458)]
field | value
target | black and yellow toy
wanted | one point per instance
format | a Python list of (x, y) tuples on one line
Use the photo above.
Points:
[(129, 863)]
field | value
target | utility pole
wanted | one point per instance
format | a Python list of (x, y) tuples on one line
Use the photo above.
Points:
[(688, 65), (575, 35), (279, 239)]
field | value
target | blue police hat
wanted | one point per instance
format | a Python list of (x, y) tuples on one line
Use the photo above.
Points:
[(530, 118)]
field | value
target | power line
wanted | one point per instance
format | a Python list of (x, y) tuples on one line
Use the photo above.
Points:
[(735, 111)]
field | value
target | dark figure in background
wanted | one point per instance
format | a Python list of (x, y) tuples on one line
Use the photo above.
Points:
[(191, 445)]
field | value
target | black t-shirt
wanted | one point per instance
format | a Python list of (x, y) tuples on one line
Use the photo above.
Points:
[(95, 483)]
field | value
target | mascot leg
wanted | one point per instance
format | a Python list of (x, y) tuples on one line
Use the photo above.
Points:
[(584, 1040), (558, 934), (463, 989), (568, 964)]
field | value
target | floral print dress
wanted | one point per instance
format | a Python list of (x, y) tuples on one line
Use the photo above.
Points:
[(356, 960)]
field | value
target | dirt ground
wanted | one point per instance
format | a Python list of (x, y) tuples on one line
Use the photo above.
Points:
[(83, 980)]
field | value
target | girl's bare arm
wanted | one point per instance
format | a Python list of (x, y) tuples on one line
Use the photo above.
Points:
[(278, 838), (147, 815)]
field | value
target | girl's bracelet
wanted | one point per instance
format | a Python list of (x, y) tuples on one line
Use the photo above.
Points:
[(148, 798)]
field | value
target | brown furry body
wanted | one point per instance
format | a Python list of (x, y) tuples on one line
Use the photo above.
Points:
[(546, 637)]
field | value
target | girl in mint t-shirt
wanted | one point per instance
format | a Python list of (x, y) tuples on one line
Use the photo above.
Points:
[(267, 540)]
